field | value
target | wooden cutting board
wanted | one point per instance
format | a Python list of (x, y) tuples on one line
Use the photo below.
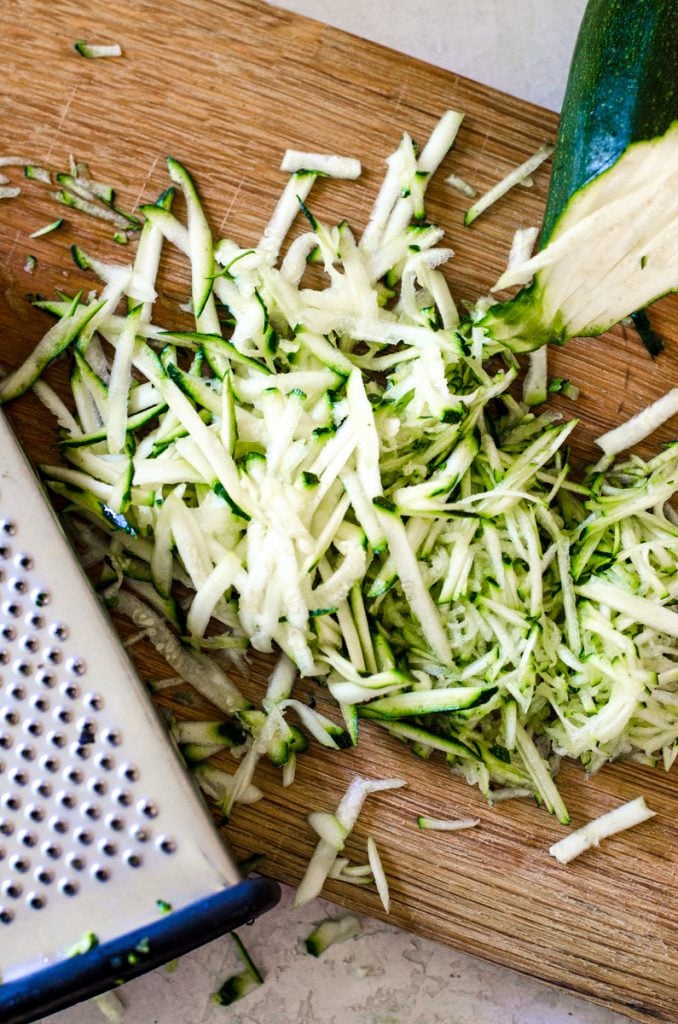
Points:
[(226, 86)]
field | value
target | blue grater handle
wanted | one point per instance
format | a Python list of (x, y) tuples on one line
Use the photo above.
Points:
[(102, 968)]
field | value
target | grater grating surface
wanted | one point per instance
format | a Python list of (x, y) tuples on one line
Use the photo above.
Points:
[(98, 819)]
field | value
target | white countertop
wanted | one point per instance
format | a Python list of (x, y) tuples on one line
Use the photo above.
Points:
[(520, 46), (386, 976)]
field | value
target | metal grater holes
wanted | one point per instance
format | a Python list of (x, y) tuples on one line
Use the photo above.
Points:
[(69, 813)]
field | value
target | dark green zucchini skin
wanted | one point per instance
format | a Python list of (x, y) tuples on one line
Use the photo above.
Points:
[(622, 88)]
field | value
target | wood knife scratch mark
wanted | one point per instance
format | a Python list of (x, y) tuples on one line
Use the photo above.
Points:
[(147, 178), (230, 205), (64, 115), (399, 99), (7, 260), (64, 112)]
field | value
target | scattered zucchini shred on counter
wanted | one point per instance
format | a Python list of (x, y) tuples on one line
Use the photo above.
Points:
[(238, 985), (331, 465), (110, 1006), (330, 932)]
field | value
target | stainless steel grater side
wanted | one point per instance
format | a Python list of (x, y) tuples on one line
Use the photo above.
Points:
[(101, 829)]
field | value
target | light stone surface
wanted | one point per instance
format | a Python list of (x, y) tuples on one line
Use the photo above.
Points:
[(384, 975), (522, 47)]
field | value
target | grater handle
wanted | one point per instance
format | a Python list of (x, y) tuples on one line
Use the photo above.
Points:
[(103, 967)]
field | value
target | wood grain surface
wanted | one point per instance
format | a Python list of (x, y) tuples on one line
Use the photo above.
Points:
[(226, 86)]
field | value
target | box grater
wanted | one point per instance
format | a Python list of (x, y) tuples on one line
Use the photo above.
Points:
[(102, 832)]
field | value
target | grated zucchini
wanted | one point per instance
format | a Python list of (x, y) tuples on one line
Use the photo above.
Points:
[(344, 478)]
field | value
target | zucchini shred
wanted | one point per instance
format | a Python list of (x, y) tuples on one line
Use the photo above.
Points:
[(342, 476)]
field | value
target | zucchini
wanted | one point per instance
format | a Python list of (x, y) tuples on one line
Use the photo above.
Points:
[(239, 984), (200, 246), (378, 873), (346, 814), (58, 338), (446, 824), (36, 173), (609, 244), (628, 815), (93, 51), (424, 702), (331, 931), (48, 228)]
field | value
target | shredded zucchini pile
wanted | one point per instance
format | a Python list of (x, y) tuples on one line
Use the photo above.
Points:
[(332, 467)]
